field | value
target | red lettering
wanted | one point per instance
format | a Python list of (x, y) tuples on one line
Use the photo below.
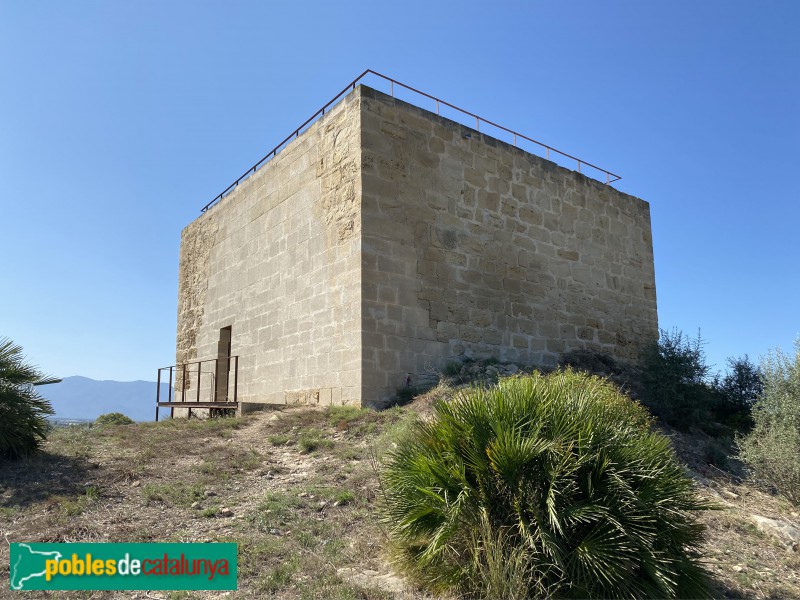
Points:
[(154, 570), (222, 566), (175, 568)]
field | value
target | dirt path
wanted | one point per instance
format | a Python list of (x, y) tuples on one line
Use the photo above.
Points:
[(294, 490)]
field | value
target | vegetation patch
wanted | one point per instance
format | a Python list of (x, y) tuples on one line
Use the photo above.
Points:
[(341, 416), (317, 511), (23, 411), (180, 494), (546, 485), (72, 507), (279, 440), (772, 449), (113, 419), (312, 440)]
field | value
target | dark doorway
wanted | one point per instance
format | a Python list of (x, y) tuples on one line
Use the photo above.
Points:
[(223, 364)]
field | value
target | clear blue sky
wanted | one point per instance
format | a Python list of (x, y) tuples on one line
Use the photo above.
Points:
[(119, 120)]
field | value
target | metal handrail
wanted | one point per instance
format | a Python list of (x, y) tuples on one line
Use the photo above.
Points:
[(185, 371), (393, 82)]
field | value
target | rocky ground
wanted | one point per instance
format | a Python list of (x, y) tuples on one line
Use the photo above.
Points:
[(753, 538), (296, 489)]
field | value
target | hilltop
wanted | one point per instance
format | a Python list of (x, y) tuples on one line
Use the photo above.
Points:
[(297, 489)]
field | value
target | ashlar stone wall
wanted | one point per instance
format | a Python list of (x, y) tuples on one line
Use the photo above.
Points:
[(472, 247), (278, 261)]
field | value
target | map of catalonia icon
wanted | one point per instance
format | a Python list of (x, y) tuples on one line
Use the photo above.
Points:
[(29, 564)]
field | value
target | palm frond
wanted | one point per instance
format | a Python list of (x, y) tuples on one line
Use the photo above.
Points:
[(23, 412), (573, 493)]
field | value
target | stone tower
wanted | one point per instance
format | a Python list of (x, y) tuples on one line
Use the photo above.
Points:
[(386, 241)]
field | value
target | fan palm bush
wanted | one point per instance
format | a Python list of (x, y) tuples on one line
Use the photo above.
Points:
[(23, 412), (543, 486)]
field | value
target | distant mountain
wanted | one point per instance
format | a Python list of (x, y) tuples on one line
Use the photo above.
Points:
[(83, 398)]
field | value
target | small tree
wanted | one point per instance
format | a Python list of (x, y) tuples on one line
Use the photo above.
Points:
[(674, 374), (736, 392), (772, 449), (23, 412), (743, 383)]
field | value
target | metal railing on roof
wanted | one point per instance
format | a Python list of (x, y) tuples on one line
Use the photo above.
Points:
[(549, 150)]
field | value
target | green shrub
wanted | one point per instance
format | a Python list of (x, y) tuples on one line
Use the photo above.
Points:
[(674, 375), (23, 412), (279, 439), (115, 418), (178, 493), (736, 391), (312, 440), (743, 383), (556, 479), (338, 415), (308, 443), (772, 449), (77, 506), (452, 369), (717, 453), (676, 385), (344, 497)]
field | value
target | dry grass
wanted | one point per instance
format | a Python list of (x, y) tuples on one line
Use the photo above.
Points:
[(744, 562), (302, 488), (303, 508)]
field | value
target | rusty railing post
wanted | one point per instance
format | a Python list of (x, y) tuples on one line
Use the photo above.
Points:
[(158, 393), (183, 384), (215, 381), (199, 368), (236, 381)]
